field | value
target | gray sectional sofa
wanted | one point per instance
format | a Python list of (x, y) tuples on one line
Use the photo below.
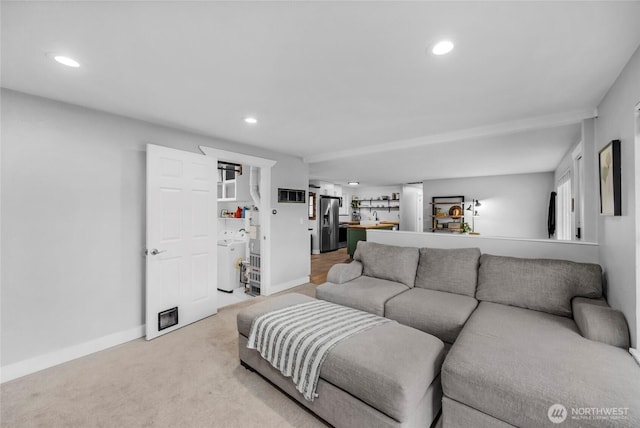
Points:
[(523, 335)]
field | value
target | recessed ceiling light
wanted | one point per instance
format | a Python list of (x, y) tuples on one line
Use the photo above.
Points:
[(65, 60), (251, 120), (354, 183), (442, 47)]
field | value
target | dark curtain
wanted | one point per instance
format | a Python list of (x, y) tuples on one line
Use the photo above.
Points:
[(551, 221)]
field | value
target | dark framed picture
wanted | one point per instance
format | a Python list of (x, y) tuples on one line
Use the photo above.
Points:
[(610, 179)]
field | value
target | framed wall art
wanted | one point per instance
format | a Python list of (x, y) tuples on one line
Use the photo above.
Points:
[(610, 179)]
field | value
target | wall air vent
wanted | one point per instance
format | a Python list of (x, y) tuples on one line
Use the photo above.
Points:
[(291, 195), (167, 318)]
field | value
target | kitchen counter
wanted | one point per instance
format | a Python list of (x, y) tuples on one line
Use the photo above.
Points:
[(358, 232), (395, 223), (382, 225)]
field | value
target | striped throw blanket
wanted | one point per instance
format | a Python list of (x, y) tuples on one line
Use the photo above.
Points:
[(297, 339)]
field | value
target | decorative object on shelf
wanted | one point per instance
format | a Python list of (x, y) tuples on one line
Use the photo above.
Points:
[(454, 226), (466, 228), (455, 211), (610, 179)]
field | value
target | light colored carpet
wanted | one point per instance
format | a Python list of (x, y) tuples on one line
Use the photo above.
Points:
[(188, 378)]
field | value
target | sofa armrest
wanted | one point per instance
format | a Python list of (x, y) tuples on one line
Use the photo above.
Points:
[(598, 321), (344, 272)]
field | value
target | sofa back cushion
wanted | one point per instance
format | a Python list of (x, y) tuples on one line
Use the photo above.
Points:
[(453, 271), (388, 261), (539, 284)]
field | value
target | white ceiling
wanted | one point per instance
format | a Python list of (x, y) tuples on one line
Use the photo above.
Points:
[(341, 84), (514, 153)]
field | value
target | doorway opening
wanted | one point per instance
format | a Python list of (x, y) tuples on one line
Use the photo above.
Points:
[(238, 233), (244, 225)]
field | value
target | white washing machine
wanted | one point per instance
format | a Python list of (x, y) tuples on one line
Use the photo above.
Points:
[(229, 255)]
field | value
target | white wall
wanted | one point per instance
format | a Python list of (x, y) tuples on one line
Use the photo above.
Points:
[(73, 222), (583, 252), (591, 181), (290, 259), (512, 205), (617, 235)]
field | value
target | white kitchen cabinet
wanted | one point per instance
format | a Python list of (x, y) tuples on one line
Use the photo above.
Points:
[(233, 186)]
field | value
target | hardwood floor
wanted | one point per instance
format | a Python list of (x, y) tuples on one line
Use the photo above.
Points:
[(321, 263)]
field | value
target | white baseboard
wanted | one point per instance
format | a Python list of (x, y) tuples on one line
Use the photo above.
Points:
[(315, 252), (287, 285), (35, 364)]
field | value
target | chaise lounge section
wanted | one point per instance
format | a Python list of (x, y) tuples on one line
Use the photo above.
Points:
[(387, 376)]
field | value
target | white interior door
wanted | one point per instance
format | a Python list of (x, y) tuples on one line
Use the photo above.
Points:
[(181, 238)]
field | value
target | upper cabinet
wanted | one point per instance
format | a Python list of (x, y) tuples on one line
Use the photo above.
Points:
[(233, 183), (330, 189)]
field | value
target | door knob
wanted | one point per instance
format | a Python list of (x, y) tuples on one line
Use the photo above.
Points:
[(155, 252)]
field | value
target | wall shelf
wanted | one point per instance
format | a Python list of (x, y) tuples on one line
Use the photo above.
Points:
[(444, 204), (381, 204)]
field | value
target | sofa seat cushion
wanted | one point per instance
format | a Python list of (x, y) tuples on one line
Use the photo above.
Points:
[(514, 363), (539, 284), (365, 293), (450, 270), (435, 312), (388, 261), (390, 367)]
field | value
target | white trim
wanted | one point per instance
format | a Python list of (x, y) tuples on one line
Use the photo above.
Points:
[(577, 192), (265, 228), (265, 166), (315, 252), (287, 285), (577, 151), (512, 127), (41, 362), (636, 130), (228, 156)]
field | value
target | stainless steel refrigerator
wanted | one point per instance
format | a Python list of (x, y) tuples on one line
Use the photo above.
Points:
[(329, 221)]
